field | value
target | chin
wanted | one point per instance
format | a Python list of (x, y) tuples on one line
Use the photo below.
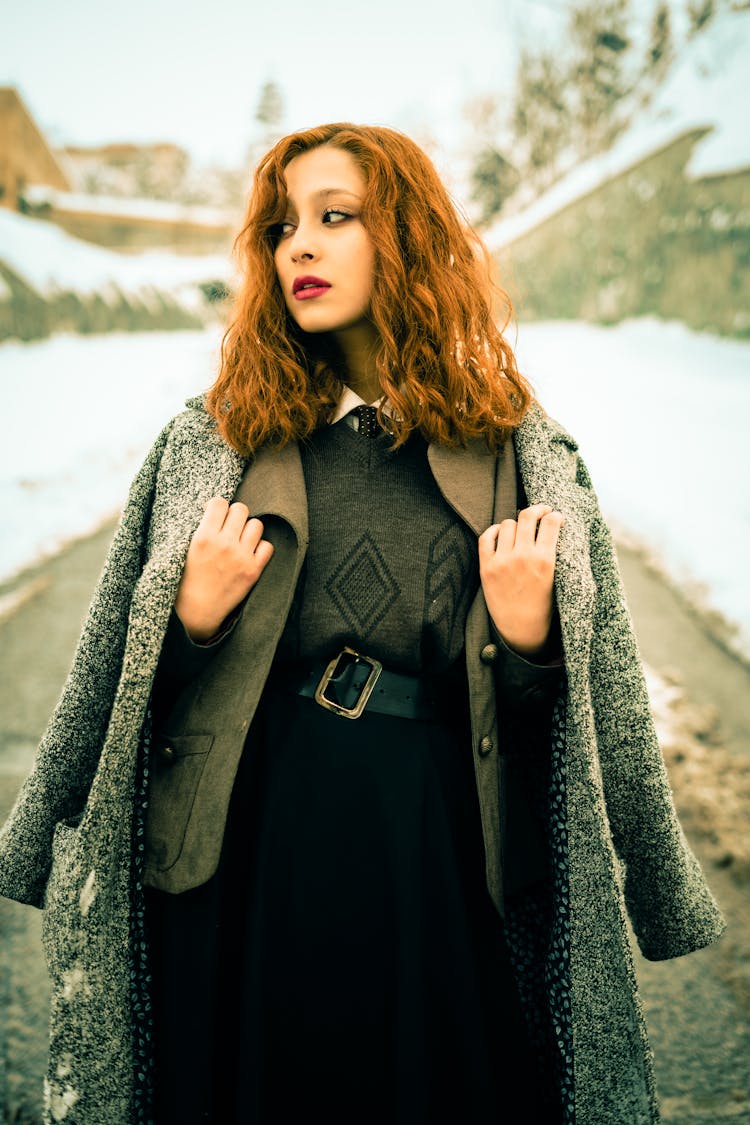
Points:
[(316, 329), (314, 325)]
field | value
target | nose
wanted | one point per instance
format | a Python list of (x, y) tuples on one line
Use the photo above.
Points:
[(302, 244)]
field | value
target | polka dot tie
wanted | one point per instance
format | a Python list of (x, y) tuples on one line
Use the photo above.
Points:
[(368, 420)]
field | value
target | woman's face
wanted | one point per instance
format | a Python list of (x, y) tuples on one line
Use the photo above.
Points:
[(322, 237)]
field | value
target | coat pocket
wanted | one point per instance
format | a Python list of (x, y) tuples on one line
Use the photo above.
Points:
[(176, 769)]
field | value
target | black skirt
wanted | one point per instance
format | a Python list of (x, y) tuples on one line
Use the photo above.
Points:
[(346, 962)]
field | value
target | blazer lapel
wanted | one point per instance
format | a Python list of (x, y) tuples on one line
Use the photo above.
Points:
[(466, 478), (274, 485)]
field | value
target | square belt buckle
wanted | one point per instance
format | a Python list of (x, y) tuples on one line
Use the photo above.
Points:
[(364, 692)]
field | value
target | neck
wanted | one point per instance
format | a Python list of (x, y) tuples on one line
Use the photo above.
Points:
[(358, 347)]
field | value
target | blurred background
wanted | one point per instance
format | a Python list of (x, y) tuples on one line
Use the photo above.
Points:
[(602, 151), (601, 148)]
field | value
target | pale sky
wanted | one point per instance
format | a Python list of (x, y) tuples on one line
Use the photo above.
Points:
[(177, 70)]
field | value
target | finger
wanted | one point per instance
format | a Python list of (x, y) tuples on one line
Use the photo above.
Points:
[(236, 519), (549, 531), (214, 514), (251, 534), (263, 552), (528, 519), (506, 536), (488, 539), (488, 542), (498, 537)]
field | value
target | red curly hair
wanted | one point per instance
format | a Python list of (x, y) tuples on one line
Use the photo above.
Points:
[(442, 361)]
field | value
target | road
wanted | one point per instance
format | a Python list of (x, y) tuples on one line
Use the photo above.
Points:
[(697, 1007)]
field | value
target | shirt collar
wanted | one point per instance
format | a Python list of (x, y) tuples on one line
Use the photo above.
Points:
[(350, 399)]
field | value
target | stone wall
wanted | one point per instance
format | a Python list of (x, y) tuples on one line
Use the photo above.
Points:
[(136, 233), (27, 315), (648, 242)]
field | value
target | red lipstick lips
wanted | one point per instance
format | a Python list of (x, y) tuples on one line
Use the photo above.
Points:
[(309, 286)]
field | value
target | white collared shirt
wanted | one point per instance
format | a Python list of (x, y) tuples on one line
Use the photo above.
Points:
[(348, 401)]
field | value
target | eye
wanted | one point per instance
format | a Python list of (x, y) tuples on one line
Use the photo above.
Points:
[(277, 231), (336, 211)]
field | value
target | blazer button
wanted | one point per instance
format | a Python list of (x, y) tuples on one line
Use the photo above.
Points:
[(168, 754), (486, 745), (488, 655)]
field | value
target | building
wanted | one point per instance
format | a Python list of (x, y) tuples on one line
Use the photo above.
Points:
[(122, 196), (25, 156)]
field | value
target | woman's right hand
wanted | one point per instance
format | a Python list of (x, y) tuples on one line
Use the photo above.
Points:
[(225, 559)]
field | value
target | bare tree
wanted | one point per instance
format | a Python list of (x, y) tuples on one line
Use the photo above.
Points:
[(541, 115), (599, 39)]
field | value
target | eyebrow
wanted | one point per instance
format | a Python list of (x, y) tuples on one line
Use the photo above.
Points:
[(329, 191), (333, 191)]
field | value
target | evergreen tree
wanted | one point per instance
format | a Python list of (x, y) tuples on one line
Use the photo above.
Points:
[(493, 180), (270, 110), (269, 115)]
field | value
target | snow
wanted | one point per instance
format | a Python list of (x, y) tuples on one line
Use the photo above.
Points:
[(706, 88), (160, 210), (80, 413), (660, 414), (50, 260)]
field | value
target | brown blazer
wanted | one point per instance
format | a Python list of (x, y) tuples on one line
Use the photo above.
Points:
[(198, 746)]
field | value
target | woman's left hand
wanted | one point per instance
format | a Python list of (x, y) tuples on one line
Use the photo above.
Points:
[(517, 570)]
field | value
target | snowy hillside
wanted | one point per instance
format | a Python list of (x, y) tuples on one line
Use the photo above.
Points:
[(51, 262), (706, 88)]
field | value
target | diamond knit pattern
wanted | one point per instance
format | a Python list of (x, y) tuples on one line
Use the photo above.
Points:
[(390, 568), (450, 582), (363, 587)]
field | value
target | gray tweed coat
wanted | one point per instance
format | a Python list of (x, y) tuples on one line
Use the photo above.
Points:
[(67, 845)]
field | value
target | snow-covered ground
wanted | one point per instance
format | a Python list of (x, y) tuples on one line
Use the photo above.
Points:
[(661, 415), (80, 412), (51, 261)]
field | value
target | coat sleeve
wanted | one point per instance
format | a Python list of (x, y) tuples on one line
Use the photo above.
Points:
[(57, 788), (670, 906)]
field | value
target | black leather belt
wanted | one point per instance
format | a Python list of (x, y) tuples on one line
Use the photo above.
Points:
[(352, 683)]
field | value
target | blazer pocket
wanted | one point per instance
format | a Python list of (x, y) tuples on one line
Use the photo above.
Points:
[(176, 769)]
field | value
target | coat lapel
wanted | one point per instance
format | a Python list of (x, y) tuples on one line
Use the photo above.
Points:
[(204, 466), (196, 466), (546, 456)]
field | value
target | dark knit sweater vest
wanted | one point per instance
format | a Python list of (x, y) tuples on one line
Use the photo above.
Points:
[(391, 570)]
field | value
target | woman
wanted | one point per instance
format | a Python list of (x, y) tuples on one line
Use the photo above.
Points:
[(358, 703)]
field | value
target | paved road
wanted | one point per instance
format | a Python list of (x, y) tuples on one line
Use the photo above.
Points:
[(697, 1014)]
